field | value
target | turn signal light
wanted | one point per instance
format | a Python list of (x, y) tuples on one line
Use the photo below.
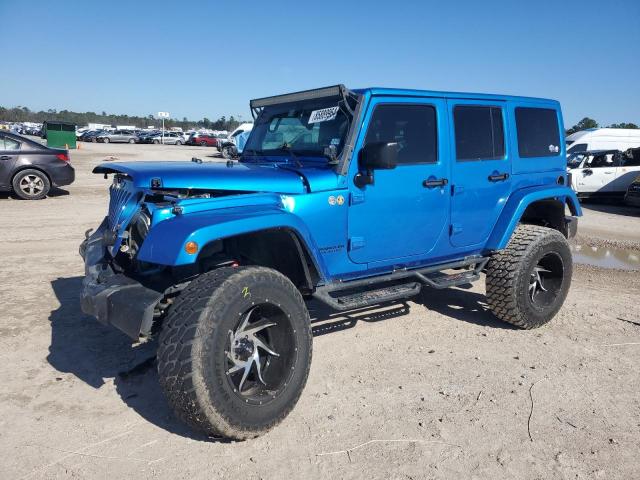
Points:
[(191, 248)]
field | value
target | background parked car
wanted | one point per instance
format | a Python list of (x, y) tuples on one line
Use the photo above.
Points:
[(203, 139), (92, 135), (604, 173), (119, 136), (170, 138), (632, 197), (30, 169), (142, 135)]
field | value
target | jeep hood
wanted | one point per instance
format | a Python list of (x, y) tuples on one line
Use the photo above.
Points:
[(219, 176)]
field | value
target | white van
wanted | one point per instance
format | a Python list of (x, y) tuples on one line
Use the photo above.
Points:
[(603, 139)]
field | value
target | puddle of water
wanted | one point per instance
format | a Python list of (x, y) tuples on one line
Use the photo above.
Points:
[(606, 257)]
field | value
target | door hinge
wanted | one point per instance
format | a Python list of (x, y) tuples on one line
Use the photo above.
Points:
[(455, 228), (356, 243)]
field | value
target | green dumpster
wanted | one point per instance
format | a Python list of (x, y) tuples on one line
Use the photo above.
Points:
[(59, 134)]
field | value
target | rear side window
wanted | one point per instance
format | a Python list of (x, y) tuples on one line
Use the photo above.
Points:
[(538, 133), (578, 147), (479, 132), (632, 158), (414, 127)]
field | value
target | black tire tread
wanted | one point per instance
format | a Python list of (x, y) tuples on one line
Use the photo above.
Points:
[(16, 188), (503, 268), (176, 353)]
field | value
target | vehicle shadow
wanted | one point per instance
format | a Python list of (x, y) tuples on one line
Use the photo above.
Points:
[(456, 303), (608, 206), (325, 320), (461, 304), (95, 353), (54, 192), (58, 192)]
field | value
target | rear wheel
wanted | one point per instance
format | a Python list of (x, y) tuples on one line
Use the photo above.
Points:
[(203, 144), (178, 142), (156, 142), (528, 281), (31, 184), (235, 351)]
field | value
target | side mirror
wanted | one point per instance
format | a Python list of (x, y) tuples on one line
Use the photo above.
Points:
[(587, 171), (379, 156)]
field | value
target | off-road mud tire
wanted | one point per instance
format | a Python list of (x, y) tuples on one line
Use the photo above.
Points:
[(191, 360), (509, 272)]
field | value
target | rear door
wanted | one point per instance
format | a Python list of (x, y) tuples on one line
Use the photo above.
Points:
[(481, 169), (9, 150), (627, 172)]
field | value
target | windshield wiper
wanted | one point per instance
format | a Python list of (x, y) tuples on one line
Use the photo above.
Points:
[(285, 147)]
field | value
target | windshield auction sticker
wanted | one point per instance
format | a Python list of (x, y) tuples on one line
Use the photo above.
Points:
[(324, 115)]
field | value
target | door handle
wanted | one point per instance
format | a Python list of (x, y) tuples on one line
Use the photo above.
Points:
[(501, 177), (431, 183), (5, 157)]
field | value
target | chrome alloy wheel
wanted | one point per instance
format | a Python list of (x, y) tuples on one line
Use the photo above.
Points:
[(31, 185), (545, 280), (261, 353)]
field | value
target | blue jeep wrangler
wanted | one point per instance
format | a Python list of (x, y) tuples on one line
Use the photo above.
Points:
[(350, 197)]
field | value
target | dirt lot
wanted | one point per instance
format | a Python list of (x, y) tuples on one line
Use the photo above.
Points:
[(435, 388)]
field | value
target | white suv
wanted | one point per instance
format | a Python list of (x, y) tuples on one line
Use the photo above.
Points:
[(604, 172)]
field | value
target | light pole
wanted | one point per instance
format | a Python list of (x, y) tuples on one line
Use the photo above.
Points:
[(163, 115)]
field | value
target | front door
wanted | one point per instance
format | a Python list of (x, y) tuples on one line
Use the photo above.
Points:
[(481, 169), (598, 173), (404, 212)]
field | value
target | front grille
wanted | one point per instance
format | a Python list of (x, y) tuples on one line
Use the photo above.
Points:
[(118, 202)]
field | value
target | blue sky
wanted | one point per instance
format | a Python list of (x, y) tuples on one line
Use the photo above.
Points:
[(197, 59)]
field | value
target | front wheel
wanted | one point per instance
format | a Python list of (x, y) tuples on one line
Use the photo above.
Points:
[(105, 140), (178, 142), (131, 140), (227, 152), (235, 351), (528, 281)]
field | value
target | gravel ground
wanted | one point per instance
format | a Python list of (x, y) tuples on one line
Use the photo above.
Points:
[(433, 388)]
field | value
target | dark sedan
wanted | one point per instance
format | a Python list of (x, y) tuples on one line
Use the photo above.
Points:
[(30, 169)]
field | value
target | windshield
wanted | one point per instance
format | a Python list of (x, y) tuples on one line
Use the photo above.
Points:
[(303, 129), (575, 159)]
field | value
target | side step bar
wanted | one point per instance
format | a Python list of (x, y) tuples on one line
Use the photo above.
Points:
[(362, 293)]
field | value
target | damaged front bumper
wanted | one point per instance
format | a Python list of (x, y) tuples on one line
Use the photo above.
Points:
[(114, 298)]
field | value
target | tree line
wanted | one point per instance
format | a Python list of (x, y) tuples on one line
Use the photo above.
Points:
[(23, 114), (587, 122)]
